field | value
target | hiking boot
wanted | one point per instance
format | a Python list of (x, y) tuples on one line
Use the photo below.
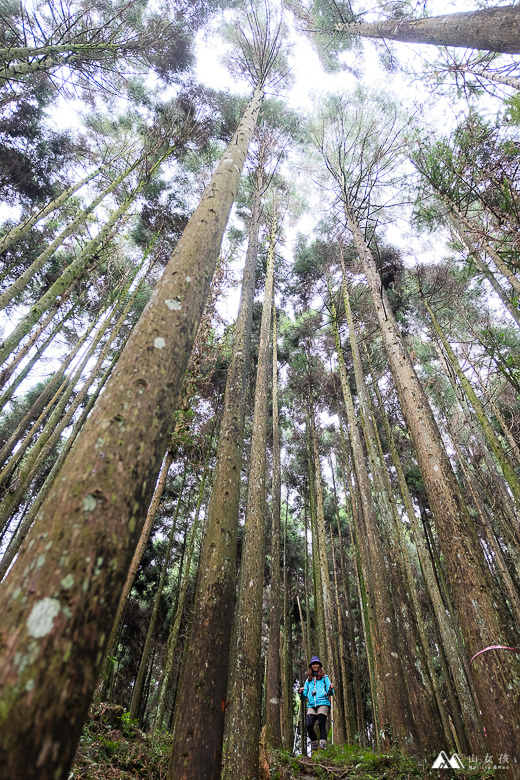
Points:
[(323, 744), (314, 746)]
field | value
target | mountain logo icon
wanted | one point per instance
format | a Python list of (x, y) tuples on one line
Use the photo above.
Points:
[(443, 762)]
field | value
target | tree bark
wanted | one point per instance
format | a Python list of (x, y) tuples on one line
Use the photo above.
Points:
[(319, 612), (135, 704), (330, 662), (496, 673), (175, 627), (16, 288), (60, 601), (447, 633), (488, 273), (489, 29), (17, 232), (245, 683), (386, 645), (273, 686), (491, 437), (198, 719)]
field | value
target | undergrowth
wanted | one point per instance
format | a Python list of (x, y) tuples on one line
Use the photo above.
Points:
[(112, 746), (356, 763)]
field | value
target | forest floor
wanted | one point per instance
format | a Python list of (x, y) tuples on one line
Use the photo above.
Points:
[(113, 748)]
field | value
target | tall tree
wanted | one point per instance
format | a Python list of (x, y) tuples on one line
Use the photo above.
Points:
[(491, 29), (63, 605), (273, 674), (245, 681), (482, 626)]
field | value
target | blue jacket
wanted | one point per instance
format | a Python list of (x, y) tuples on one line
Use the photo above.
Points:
[(316, 691)]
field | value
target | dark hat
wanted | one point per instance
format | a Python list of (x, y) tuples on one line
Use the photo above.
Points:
[(315, 660)]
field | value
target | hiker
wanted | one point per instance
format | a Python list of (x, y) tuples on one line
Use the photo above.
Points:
[(317, 690)]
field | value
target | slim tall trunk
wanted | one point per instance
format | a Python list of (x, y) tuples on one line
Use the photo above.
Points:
[(354, 666), (31, 515), (497, 78), (18, 231), (73, 270), (245, 683), (330, 661), (491, 437), (319, 612), (287, 676), (9, 370), (386, 644), (509, 304), (498, 556), (308, 633), (26, 370), (137, 693), (25, 278), (463, 223), (345, 689), (496, 673), (446, 629), (40, 408), (185, 568), (60, 603), (274, 731), (420, 680), (362, 568), (489, 29), (58, 420), (198, 719)]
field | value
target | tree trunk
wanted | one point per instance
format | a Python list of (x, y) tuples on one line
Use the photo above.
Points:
[(17, 232), (491, 437), (175, 627), (496, 673), (497, 78), (8, 394), (60, 602), (489, 29), (287, 708), (345, 689), (274, 731), (356, 680), (308, 633), (135, 705), (488, 273), (319, 614), (386, 644), (330, 662), (198, 719), (25, 526), (245, 682), (446, 630), (24, 279), (72, 271)]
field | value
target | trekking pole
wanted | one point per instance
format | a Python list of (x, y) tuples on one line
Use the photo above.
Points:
[(296, 729), (331, 721)]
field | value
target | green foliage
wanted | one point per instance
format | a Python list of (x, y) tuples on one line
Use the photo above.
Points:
[(113, 748), (361, 764), (512, 109)]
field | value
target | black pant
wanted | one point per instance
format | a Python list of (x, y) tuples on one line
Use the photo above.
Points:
[(309, 725)]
